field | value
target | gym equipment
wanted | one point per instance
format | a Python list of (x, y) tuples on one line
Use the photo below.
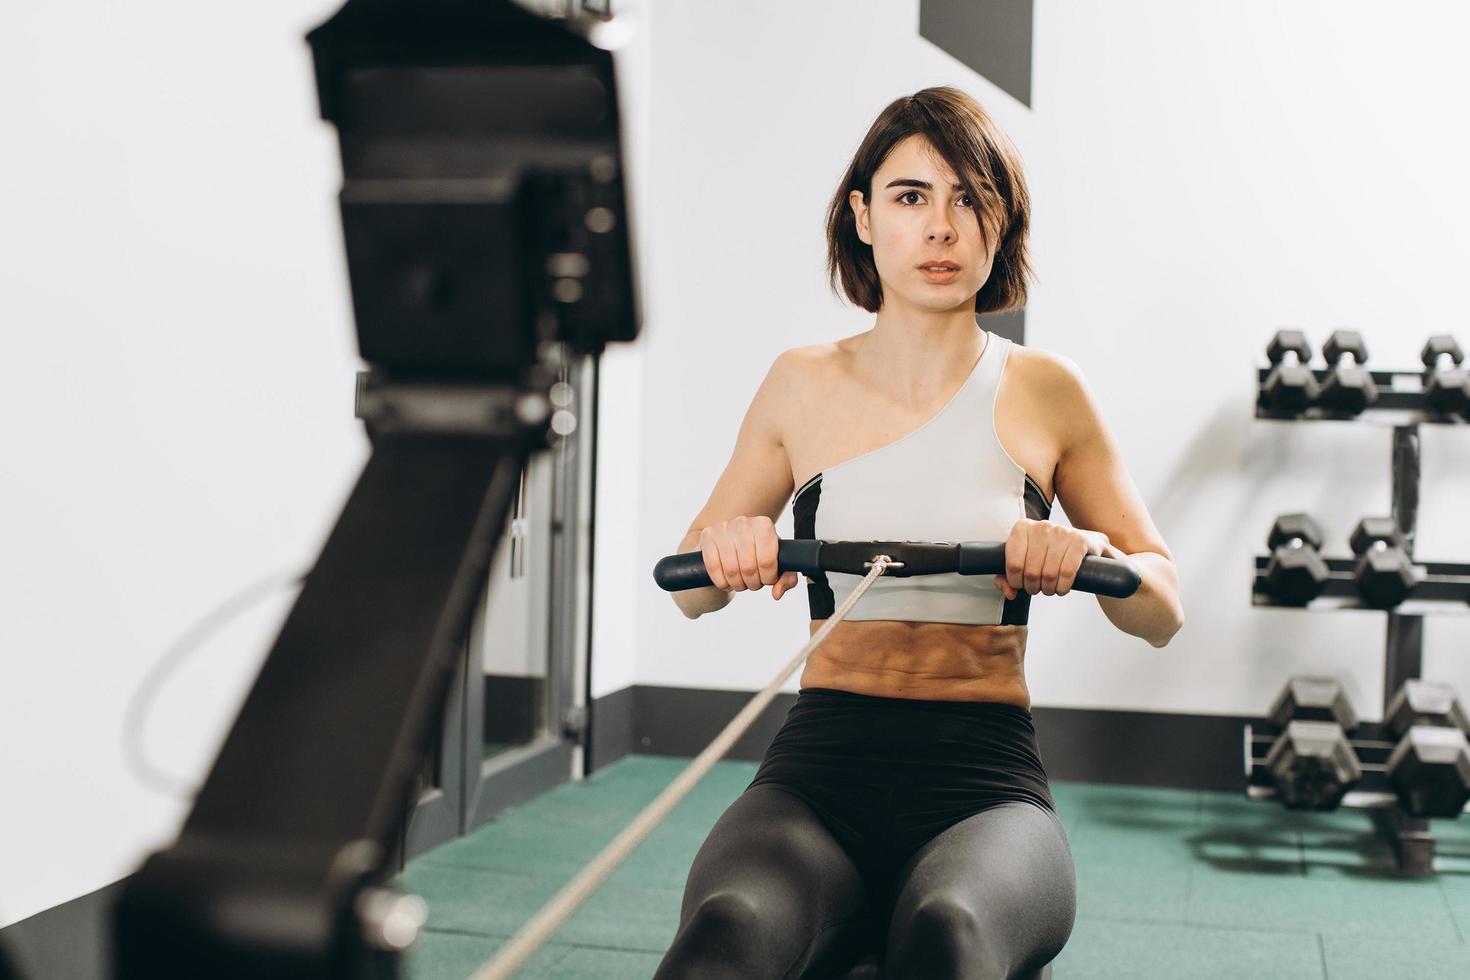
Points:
[(1384, 574), (1289, 389), (1103, 576), (1430, 766), (1415, 762), (1446, 386), (487, 246), (1440, 587), (1311, 762), (1349, 389), (1290, 386), (1295, 573)]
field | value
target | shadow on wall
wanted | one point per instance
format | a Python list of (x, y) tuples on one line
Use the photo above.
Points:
[(1233, 461)]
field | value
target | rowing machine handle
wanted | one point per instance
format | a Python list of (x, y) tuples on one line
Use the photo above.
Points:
[(1101, 576)]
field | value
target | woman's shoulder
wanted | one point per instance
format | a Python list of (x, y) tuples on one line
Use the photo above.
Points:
[(1046, 385), (1044, 365), (814, 363)]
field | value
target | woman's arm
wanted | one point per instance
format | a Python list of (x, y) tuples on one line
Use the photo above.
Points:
[(756, 483), (1099, 496)]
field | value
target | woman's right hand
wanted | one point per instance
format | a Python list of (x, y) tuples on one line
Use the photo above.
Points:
[(740, 554)]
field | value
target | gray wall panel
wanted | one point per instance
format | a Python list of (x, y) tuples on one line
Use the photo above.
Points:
[(992, 37)]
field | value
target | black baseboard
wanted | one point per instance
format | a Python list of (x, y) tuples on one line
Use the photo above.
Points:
[(1135, 748), (683, 720), (72, 940), (610, 727)]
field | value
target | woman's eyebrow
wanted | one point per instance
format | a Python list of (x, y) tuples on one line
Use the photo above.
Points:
[(921, 184)]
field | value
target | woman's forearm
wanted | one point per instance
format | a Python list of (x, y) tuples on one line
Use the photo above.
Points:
[(696, 602), (1154, 612)]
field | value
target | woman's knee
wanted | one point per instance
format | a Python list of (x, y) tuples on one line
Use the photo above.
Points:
[(735, 914), (729, 933), (944, 937)]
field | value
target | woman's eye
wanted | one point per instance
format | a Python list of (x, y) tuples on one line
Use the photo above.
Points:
[(904, 198)]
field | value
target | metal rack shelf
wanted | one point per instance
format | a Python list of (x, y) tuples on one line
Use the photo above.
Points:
[(1443, 589), (1400, 403)]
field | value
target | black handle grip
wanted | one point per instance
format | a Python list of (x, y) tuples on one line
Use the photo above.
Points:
[(1102, 576), (679, 572), (1107, 577)]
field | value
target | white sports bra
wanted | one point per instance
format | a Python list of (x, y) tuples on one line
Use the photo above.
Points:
[(948, 480)]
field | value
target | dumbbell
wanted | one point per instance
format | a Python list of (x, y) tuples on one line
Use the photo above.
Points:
[(1296, 572), (1312, 763), (1446, 387), (1290, 385), (1430, 765), (1385, 573), (1349, 387)]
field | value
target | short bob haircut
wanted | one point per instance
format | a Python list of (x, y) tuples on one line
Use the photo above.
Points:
[(985, 163)]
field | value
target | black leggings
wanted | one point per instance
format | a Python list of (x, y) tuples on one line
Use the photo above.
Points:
[(811, 867)]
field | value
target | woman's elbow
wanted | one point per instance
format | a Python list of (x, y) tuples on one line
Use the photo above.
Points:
[(1173, 627)]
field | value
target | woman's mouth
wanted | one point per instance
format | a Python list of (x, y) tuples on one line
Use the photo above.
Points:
[(941, 272)]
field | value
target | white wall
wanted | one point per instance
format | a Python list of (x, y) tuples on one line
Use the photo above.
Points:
[(1201, 175), (177, 406), (177, 412), (178, 399), (618, 573)]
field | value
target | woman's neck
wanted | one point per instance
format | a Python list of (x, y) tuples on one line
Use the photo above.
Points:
[(914, 360)]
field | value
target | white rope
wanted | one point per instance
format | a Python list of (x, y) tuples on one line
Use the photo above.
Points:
[(539, 929)]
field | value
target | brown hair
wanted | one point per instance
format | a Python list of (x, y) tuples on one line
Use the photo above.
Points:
[(985, 163)]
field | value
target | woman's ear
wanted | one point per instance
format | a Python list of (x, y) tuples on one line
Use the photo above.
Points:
[(860, 216)]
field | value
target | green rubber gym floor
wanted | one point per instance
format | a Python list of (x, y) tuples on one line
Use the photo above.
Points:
[(1170, 883)]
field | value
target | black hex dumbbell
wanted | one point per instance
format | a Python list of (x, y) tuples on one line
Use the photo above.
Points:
[(1290, 385), (1430, 765), (1311, 762), (1385, 573), (1296, 572), (1446, 387), (1349, 387)]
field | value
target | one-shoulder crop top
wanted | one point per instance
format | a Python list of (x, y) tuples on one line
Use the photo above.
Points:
[(948, 480)]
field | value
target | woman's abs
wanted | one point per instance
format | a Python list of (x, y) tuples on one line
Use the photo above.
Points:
[(924, 661)]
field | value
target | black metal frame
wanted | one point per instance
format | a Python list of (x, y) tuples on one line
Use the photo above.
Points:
[(485, 225), (437, 814), (311, 786), (467, 789)]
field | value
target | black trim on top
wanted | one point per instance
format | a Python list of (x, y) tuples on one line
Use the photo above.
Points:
[(1017, 611), (819, 598)]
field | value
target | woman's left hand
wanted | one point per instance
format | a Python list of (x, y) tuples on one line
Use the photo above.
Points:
[(1044, 557)]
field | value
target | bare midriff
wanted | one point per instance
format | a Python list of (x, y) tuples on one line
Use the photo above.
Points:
[(922, 661)]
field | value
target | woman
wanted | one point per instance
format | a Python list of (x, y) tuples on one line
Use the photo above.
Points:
[(903, 805)]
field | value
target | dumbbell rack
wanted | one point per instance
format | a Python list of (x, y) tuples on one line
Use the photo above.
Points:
[(1400, 403), (1442, 588)]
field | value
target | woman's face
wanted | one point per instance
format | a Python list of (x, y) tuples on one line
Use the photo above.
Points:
[(918, 216)]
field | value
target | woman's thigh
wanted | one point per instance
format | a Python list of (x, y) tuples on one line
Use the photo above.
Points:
[(770, 894), (993, 896)]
